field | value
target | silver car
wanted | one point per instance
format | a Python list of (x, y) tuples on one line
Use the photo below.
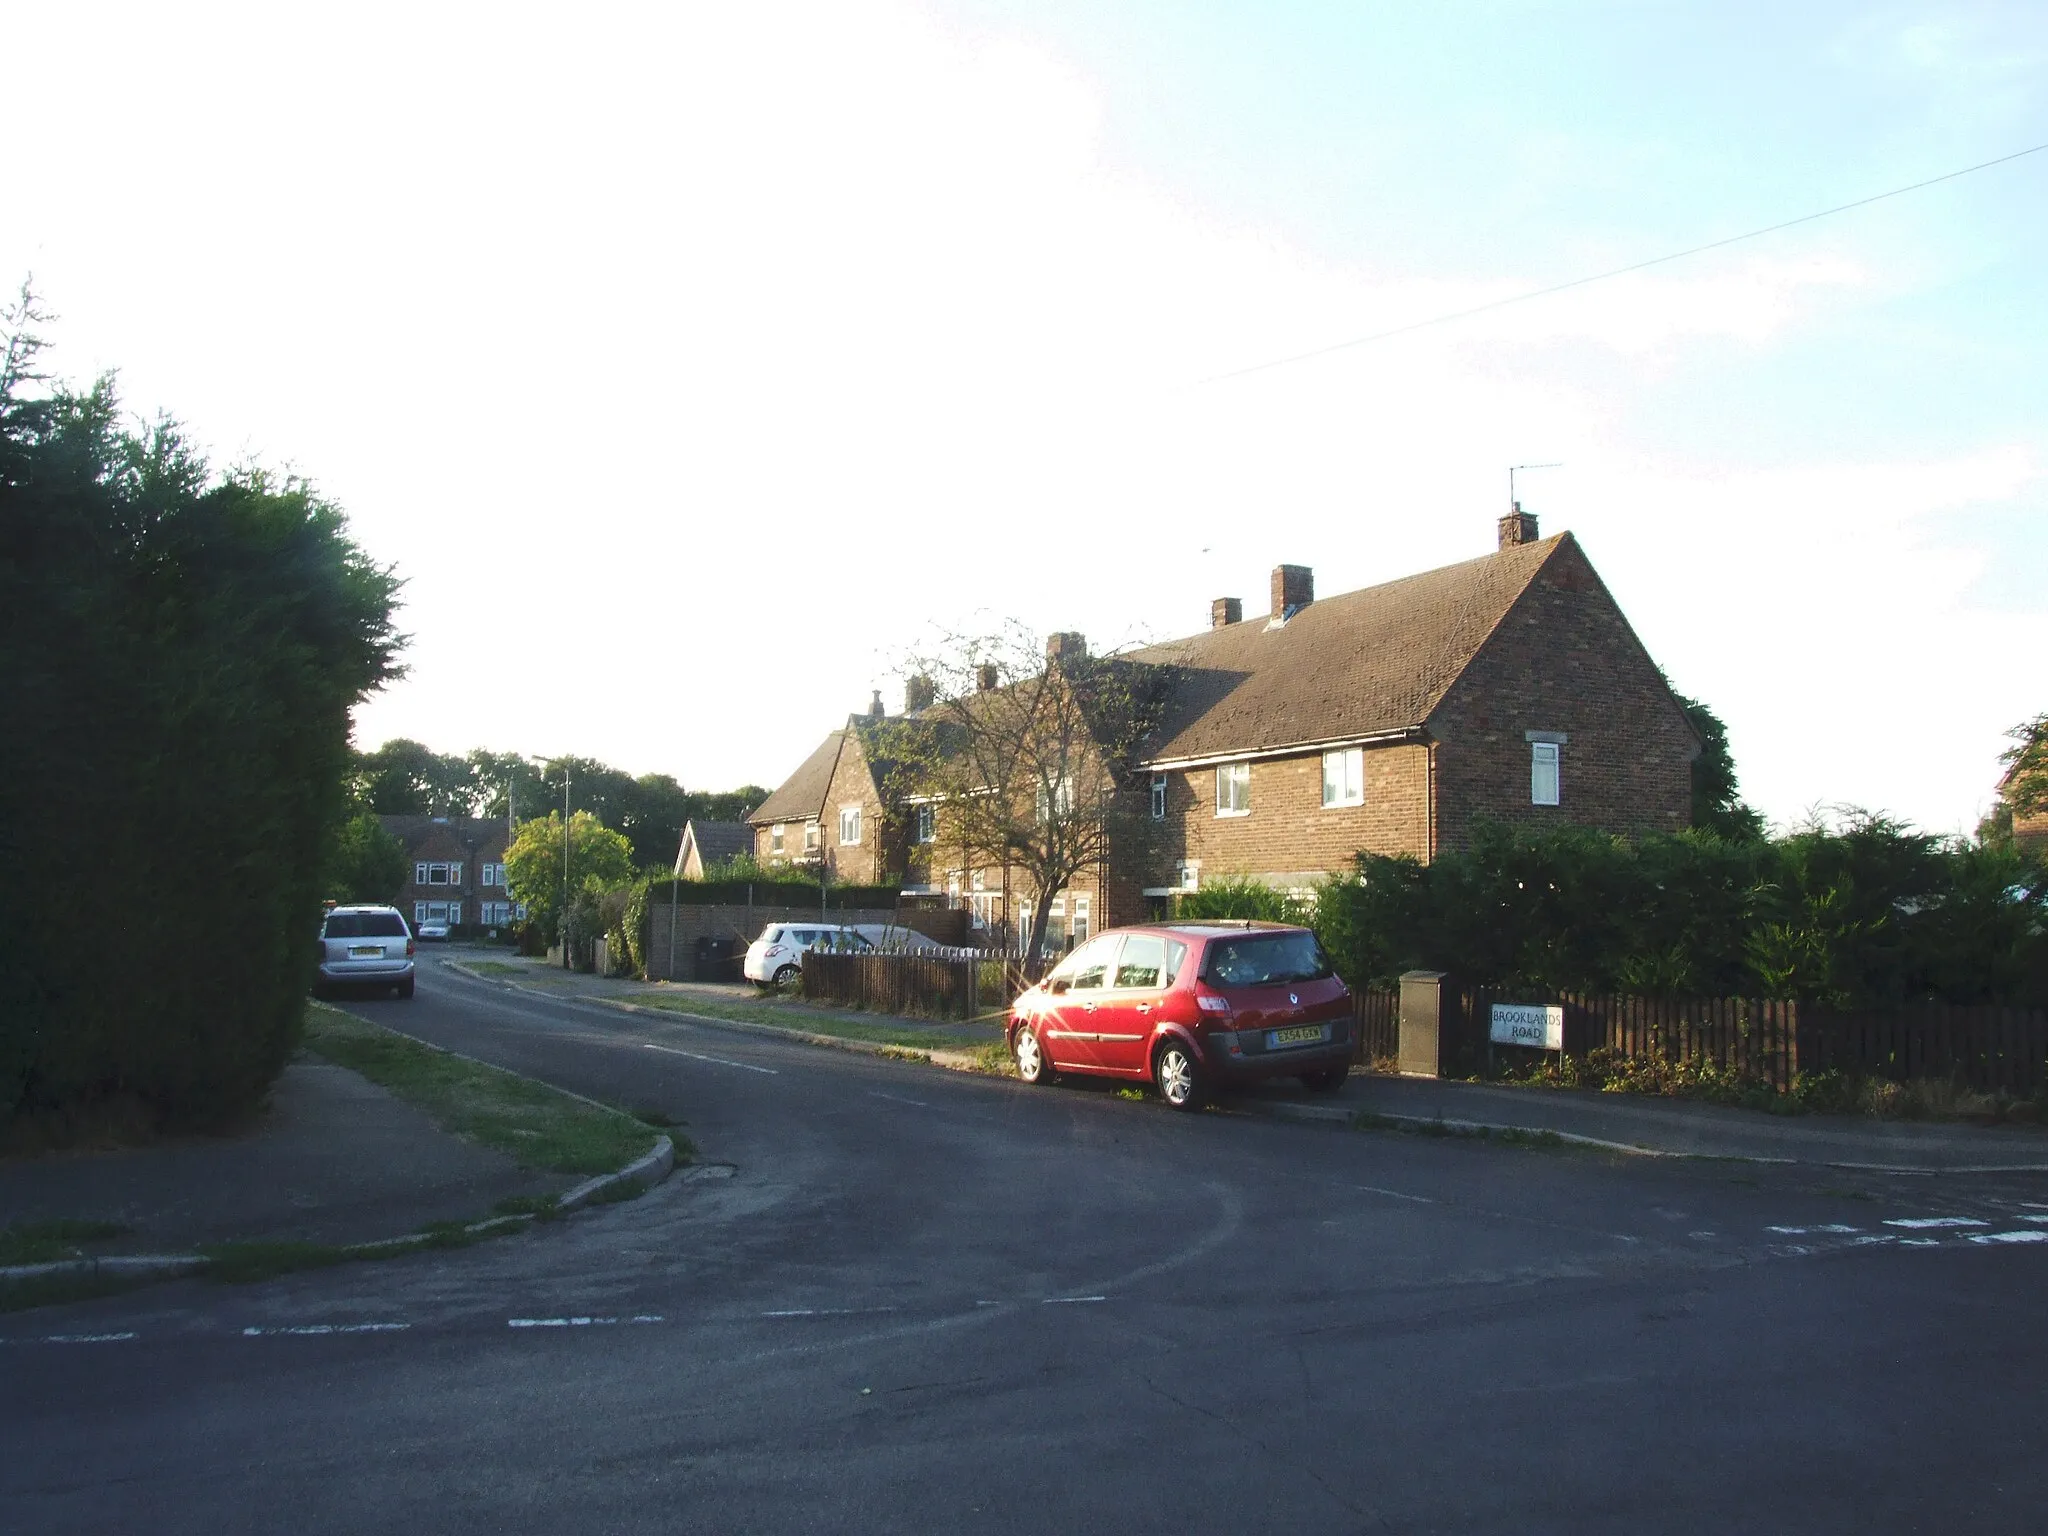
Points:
[(365, 947)]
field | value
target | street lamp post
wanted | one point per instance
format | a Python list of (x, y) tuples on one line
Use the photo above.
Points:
[(562, 917)]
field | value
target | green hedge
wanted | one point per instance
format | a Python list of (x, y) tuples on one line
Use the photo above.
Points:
[(179, 653)]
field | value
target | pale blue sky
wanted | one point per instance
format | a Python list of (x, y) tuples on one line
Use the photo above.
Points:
[(766, 338)]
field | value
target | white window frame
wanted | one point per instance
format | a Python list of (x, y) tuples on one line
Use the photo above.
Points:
[(775, 834), (1348, 780), (1234, 789), (927, 824), (1083, 927), (419, 874), (814, 837), (1546, 768), (849, 826), (1159, 797)]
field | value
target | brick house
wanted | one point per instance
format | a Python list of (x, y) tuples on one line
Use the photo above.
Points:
[(456, 872), (830, 813), (1390, 720), (2029, 828)]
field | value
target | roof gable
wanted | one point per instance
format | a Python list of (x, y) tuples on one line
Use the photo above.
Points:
[(1360, 664), (715, 840), (801, 796)]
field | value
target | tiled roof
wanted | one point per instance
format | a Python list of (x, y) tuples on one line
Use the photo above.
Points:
[(484, 834), (1358, 664), (802, 795), (719, 839)]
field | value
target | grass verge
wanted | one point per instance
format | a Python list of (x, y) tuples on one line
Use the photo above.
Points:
[(539, 1126), (51, 1290), (47, 1242), (497, 968)]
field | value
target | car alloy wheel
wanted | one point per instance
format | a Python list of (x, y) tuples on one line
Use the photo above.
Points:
[(785, 975), (1178, 1078), (1032, 1066)]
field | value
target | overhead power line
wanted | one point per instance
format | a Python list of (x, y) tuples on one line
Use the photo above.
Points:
[(1601, 277)]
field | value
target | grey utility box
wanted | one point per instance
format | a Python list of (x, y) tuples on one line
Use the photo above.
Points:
[(1429, 1026)]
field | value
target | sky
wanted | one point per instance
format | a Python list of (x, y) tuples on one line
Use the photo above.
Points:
[(693, 364)]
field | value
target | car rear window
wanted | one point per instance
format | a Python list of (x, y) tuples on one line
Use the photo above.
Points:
[(1261, 959), (364, 925)]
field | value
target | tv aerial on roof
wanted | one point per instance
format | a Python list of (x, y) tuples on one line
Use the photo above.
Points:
[(1514, 505)]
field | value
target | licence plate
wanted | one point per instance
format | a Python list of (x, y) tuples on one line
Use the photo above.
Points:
[(366, 952), (1301, 1034)]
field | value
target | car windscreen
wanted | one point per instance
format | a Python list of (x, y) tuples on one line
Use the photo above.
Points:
[(1261, 959), (364, 925)]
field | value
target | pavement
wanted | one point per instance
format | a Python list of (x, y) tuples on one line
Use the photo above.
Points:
[(333, 1159), (897, 1297), (1624, 1122)]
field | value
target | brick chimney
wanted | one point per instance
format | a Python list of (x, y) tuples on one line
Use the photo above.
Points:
[(1065, 647), (1225, 610), (1294, 588), (1518, 527), (985, 677), (919, 692), (875, 710)]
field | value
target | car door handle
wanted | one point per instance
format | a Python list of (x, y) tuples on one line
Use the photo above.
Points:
[(1144, 1007), (1087, 1007)]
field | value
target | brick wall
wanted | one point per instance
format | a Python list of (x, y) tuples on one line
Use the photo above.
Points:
[(1288, 832), (1565, 660), (864, 863)]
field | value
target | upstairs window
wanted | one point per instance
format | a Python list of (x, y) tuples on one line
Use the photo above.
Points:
[(849, 825), (1344, 777), (813, 836), (437, 874), (1159, 797), (1543, 772), (1234, 789), (927, 824), (775, 838)]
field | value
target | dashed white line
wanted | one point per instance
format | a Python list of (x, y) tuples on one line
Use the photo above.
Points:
[(1069, 1301), (721, 1061), (1921, 1223), (896, 1098), (1395, 1194), (315, 1330), (1833, 1226), (579, 1322), (89, 1338), (2009, 1237), (828, 1311)]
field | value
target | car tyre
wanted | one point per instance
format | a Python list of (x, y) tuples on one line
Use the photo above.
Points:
[(1178, 1076), (1032, 1064), (405, 987), (785, 975), (1328, 1080)]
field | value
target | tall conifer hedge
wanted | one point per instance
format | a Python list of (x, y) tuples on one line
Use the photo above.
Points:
[(179, 652)]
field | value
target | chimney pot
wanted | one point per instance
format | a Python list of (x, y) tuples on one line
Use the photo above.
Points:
[(875, 709), (1225, 610), (1064, 647), (919, 693), (985, 677), (1294, 588), (1518, 527)]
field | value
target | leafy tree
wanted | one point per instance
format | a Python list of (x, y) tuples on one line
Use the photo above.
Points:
[(364, 862), (404, 778), (504, 783), (598, 858), (1717, 805), (2023, 791), (179, 653), (1029, 756)]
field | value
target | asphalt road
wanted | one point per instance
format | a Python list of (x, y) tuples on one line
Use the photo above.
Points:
[(896, 1298)]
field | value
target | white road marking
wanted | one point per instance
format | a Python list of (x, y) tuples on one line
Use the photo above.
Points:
[(1919, 1242), (1395, 1194), (2034, 1218), (895, 1098), (89, 1338), (1833, 1226), (579, 1322), (2009, 1237), (1918, 1223), (1068, 1301), (828, 1312), (313, 1330), (744, 1066)]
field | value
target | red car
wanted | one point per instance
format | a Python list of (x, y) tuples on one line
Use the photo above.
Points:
[(1192, 1006)]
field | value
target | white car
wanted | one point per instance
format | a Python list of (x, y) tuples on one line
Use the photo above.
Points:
[(774, 959), (365, 947)]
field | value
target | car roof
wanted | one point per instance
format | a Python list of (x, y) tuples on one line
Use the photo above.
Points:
[(360, 907), (1217, 929)]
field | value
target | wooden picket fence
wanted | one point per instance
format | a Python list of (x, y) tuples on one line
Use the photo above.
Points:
[(942, 984)]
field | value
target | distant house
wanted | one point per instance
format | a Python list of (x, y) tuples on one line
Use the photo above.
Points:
[(711, 842), (456, 872), (1391, 720), (2029, 828)]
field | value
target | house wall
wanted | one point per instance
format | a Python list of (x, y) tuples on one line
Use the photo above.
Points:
[(867, 862), (471, 842), (1563, 659)]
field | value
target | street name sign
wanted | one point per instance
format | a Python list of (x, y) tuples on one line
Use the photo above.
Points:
[(1538, 1025)]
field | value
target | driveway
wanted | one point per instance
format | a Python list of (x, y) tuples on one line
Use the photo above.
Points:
[(892, 1297)]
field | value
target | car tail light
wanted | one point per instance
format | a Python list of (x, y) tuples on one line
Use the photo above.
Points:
[(408, 949), (1210, 1003)]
